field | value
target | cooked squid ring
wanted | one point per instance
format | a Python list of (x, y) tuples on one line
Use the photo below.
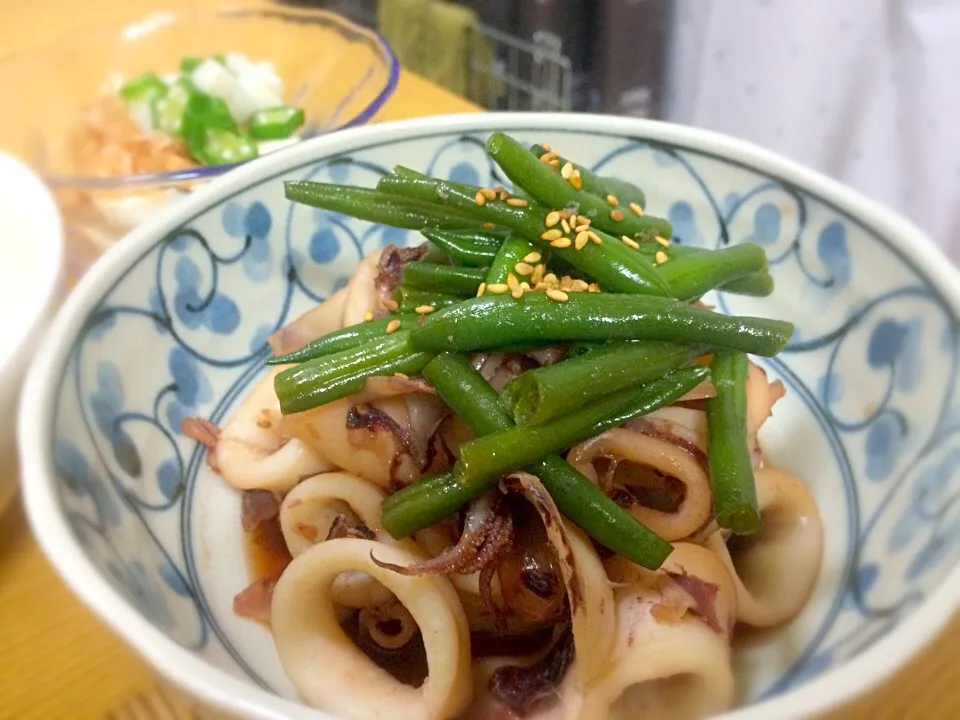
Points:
[(253, 454), (678, 669), (762, 395), (333, 674), (684, 425), (775, 570), (692, 579), (310, 509), (565, 705), (308, 513), (320, 320), (620, 445), (376, 440), (588, 591)]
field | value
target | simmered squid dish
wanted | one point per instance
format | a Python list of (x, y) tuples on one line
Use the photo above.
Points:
[(515, 472)]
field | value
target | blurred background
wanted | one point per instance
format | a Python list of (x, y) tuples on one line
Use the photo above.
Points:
[(859, 90)]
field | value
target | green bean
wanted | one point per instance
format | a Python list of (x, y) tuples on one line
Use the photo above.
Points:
[(411, 298), (513, 250), (339, 340), (547, 185), (449, 279), (601, 186), (731, 469), (434, 254), (547, 392), (695, 274), (436, 496), (424, 503), (473, 248), (611, 263), (490, 321), (466, 393), (757, 284), (492, 456), (375, 206), (404, 182), (331, 377)]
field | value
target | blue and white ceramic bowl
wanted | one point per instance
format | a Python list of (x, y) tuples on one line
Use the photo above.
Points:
[(172, 322)]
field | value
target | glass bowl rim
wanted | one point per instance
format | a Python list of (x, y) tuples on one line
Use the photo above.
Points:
[(327, 18)]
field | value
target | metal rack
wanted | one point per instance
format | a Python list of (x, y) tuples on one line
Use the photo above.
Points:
[(505, 72), (535, 74)]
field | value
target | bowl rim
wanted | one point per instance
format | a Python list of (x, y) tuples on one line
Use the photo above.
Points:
[(207, 682), (157, 20)]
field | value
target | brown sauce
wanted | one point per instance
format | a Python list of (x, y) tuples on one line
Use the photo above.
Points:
[(266, 551)]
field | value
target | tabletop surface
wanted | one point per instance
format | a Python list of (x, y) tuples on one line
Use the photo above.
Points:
[(57, 661)]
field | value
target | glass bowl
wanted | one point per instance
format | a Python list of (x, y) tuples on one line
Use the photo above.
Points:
[(339, 72)]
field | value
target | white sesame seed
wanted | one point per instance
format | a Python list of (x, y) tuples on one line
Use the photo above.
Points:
[(497, 288), (558, 295), (552, 234), (553, 217), (533, 257), (424, 309), (393, 326), (563, 242), (660, 257)]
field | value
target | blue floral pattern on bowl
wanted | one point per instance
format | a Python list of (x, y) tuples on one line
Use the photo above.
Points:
[(872, 419)]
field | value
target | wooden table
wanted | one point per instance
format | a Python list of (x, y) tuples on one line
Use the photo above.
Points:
[(57, 661)]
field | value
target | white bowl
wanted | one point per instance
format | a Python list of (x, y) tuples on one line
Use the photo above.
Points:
[(172, 321), (31, 270)]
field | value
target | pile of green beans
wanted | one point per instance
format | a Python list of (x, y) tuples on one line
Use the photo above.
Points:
[(470, 397), (548, 392), (639, 344)]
